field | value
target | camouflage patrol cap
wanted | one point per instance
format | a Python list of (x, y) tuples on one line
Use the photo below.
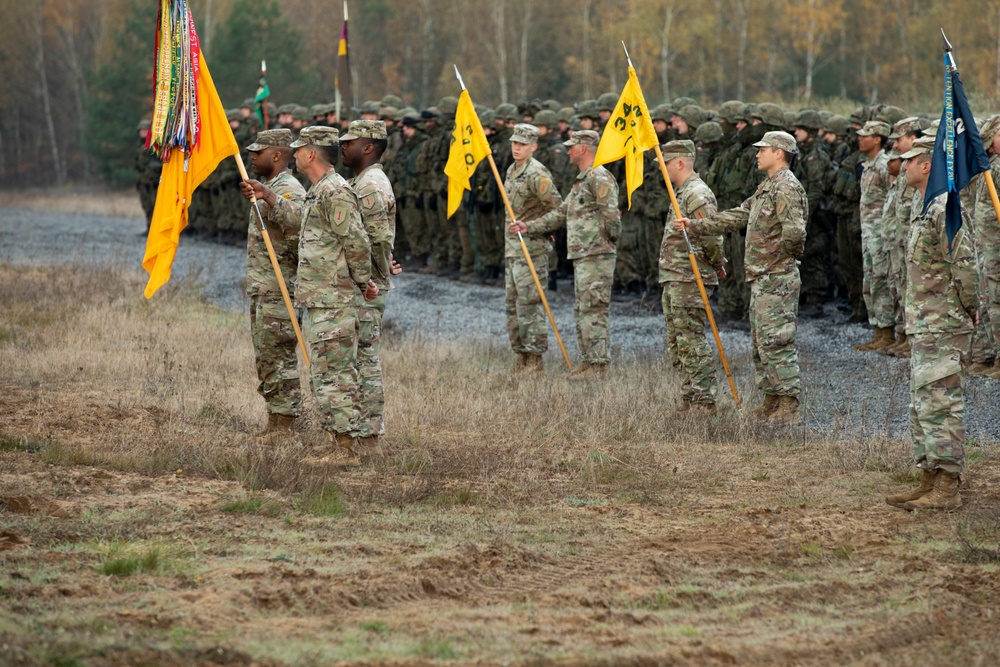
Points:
[(565, 114), (809, 119), (922, 146), (588, 109), (507, 111), (678, 148), (546, 118), (233, 114), (728, 111), (904, 127), (281, 138), (607, 102), (838, 125), (989, 130), (874, 127), (317, 135), (366, 129), (709, 132), (524, 133), (892, 154), (448, 105), (388, 113), (584, 137), (692, 114), (782, 140), (391, 100), (770, 114)]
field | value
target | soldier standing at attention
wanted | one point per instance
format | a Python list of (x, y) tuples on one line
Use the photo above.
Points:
[(813, 169), (987, 239), (683, 309), (593, 224), (361, 149), (775, 219), (333, 274), (874, 190), (532, 194), (941, 315), (274, 339)]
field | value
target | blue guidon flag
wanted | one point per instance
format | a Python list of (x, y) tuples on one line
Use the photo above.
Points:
[(959, 143)]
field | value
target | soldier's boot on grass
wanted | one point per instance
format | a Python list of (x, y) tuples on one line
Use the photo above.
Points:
[(347, 456), (884, 338), (902, 347), (587, 371), (533, 364), (763, 410), (787, 412), (703, 409), (685, 406), (519, 362), (995, 371), (926, 486), (944, 495), (369, 447), (277, 424)]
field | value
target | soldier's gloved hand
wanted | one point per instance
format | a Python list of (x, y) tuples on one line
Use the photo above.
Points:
[(371, 291), (518, 227)]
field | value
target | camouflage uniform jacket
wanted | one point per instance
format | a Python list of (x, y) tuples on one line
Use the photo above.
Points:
[(590, 213), (532, 194), (874, 188), (378, 215), (899, 210), (722, 177), (941, 285), (283, 223), (697, 202), (812, 170), (984, 216), (554, 158), (424, 176), (334, 252), (775, 218)]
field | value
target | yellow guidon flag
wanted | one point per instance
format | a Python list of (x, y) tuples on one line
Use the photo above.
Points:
[(628, 134), (468, 147)]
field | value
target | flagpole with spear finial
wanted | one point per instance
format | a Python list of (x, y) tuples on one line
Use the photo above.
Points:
[(953, 66), (694, 263), (524, 247)]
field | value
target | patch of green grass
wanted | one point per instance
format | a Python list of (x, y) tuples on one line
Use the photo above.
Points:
[(15, 443), (658, 601), (462, 496), (760, 476), (6, 335), (436, 649), (325, 500), (843, 552), (123, 560), (378, 627), (252, 505), (584, 502), (811, 549)]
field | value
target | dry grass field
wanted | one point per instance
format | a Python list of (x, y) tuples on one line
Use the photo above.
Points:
[(511, 520), (75, 199)]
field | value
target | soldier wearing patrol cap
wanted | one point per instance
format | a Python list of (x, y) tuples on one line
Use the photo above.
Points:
[(361, 149), (593, 224), (683, 309), (532, 194), (987, 243), (941, 306), (872, 138), (274, 339), (333, 276), (775, 219), (813, 169)]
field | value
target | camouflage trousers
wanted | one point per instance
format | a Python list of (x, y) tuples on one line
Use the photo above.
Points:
[(875, 258), (687, 346), (628, 268), (592, 278), (370, 402), (332, 337), (774, 314), (816, 269), (651, 236), (527, 326), (274, 345), (489, 243), (415, 226), (937, 410), (896, 242), (988, 265), (734, 291), (452, 242)]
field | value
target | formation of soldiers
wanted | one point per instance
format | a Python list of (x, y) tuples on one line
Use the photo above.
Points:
[(783, 209)]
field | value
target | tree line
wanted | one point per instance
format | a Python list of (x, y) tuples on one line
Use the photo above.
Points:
[(77, 76)]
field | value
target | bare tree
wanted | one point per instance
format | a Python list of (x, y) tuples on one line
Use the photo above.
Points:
[(526, 16), (742, 29), (669, 14), (587, 72), (500, 44), (43, 91)]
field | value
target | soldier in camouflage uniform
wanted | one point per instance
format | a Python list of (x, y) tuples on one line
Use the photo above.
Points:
[(532, 195), (428, 181), (940, 311), (775, 218), (874, 189), (147, 169), (274, 338), (409, 201), (362, 148), (841, 136), (593, 223), (813, 169), (333, 276), (683, 309), (552, 154), (987, 242), (488, 206), (708, 138)]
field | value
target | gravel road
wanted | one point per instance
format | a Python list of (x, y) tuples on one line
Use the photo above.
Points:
[(845, 392)]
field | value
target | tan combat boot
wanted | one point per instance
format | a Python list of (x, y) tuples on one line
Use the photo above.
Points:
[(925, 487), (369, 447), (685, 405), (519, 362), (282, 424), (582, 371), (533, 364), (902, 348), (980, 369), (864, 347), (764, 410), (703, 409), (787, 412), (888, 340), (995, 371), (348, 454), (944, 495)]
